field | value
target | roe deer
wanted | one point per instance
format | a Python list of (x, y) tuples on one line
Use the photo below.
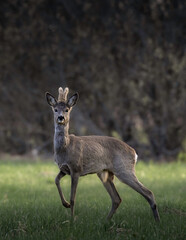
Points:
[(81, 155)]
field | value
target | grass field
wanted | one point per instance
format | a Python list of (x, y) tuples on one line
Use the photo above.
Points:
[(30, 207)]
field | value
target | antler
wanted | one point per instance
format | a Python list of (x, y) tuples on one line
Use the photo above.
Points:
[(63, 94)]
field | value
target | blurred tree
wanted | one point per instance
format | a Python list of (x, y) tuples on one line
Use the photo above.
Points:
[(126, 59)]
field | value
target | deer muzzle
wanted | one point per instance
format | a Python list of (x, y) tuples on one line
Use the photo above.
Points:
[(61, 120)]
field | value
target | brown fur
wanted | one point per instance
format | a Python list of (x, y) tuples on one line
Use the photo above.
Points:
[(82, 155)]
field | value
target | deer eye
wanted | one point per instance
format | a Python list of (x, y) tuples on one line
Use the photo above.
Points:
[(55, 110), (66, 110)]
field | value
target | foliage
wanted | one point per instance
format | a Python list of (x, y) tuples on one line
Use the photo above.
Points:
[(125, 58), (182, 156), (31, 209)]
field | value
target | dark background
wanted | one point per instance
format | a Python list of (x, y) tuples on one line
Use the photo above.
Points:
[(125, 58)]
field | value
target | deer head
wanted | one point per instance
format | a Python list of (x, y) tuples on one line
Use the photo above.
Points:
[(63, 106)]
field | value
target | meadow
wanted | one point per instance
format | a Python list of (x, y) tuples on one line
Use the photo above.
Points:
[(30, 206)]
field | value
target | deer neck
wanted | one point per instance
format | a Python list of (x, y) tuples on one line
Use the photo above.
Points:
[(61, 137)]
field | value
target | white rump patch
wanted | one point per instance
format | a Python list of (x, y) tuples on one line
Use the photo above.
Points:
[(136, 157)]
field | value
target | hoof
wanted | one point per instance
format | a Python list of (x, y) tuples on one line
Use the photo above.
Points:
[(66, 204)]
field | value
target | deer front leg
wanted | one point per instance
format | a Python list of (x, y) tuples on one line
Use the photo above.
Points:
[(74, 183), (57, 182)]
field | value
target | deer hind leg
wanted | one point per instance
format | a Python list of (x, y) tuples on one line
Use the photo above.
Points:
[(131, 180), (107, 180), (57, 181)]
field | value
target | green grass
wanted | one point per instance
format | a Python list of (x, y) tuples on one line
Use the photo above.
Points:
[(30, 207)]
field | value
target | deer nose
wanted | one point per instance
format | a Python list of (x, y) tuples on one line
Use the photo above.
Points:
[(60, 118)]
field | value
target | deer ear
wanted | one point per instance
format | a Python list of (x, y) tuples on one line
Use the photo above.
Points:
[(72, 100), (50, 99)]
